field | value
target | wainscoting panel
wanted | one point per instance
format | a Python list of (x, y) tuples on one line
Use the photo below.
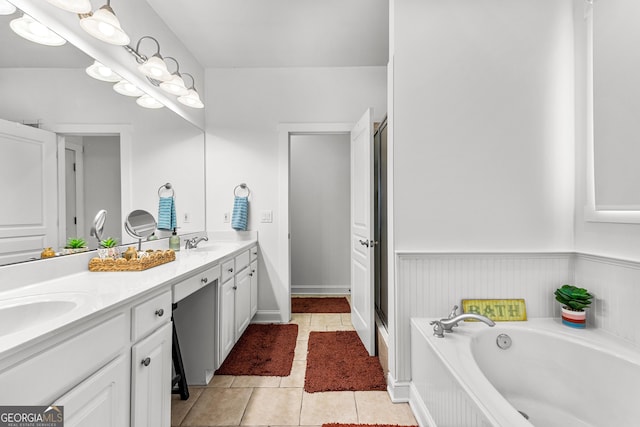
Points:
[(429, 284), (616, 287)]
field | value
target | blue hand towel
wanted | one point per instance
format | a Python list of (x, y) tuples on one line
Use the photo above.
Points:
[(167, 214), (240, 213)]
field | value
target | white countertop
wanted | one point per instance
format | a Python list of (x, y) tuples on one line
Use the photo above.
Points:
[(94, 293)]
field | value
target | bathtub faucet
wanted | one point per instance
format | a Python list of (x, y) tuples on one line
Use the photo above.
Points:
[(446, 325)]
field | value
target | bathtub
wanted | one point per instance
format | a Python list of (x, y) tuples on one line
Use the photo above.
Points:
[(554, 375)]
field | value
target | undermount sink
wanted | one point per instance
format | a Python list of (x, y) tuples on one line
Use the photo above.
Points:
[(18, 314)]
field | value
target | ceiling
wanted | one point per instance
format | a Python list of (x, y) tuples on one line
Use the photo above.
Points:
[(280, 33)]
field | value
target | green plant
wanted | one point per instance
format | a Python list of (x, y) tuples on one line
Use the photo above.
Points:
[(76, 243), (573, 297), (108, 243)]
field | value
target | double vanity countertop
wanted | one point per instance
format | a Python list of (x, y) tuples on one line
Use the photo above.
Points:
[(34, 312)]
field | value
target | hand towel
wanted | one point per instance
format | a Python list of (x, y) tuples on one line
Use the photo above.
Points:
[(240, 213), (167, 214)]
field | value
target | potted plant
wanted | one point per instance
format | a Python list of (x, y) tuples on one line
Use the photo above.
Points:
[(574, 301), (75, 245), (109, 248)]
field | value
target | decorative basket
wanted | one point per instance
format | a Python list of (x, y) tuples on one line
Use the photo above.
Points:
[(152, 259)]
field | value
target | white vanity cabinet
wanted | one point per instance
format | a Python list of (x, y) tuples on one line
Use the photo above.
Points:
[(235, 305), (254, 280), (151, 362)]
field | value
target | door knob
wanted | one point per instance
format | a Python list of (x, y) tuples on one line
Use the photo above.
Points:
[(364, 243)]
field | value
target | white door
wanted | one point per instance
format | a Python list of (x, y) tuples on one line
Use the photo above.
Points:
[(29, 177), (362, 271)]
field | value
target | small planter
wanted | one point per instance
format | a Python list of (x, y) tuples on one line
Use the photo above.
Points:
[(105, 253), (574, 319), (68, 251)]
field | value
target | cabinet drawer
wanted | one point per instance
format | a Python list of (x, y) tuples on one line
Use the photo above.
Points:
[(188, 286), (242, 260), (254, 253), (150, 315), (228, 270)]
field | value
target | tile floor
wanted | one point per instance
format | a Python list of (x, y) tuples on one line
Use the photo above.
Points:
[(282, 401)]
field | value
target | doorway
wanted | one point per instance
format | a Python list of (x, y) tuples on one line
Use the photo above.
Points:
[(320, 210)]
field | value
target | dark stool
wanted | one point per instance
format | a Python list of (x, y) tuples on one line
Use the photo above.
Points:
[(179, 381)]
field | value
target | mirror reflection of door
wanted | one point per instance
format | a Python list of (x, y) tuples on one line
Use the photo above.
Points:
[(93, 185)]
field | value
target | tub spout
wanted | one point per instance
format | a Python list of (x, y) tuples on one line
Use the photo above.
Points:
[(446, 325)]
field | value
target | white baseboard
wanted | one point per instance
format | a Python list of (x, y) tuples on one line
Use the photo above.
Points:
[(320, 290), (419, 409), (398, 390), (267, 316)]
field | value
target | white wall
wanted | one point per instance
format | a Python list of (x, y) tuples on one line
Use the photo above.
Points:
[(320, 211), (482, 125), (244, 108)]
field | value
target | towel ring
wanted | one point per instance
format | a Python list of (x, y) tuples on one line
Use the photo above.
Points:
[(242, 186), (168, 187)]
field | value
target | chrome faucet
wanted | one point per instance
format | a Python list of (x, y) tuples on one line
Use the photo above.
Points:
[(446, 325), (193, 243)]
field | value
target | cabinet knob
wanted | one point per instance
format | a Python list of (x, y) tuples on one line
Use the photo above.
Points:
[(204, 280), (251, 274), (230, 270), (160, 312), (146, 361), (235, 287)]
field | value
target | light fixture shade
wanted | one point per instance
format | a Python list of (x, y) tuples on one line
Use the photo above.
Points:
[(147, 101), (191, 99), (6, 8), (102, 72), (75, 6), (34, 31), (123, 87), (155, 68), (104, 25), (175, 86)]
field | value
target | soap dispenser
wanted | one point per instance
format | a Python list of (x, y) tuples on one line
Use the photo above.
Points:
[(174, 241)]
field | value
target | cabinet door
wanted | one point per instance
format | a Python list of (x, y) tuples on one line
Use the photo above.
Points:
[(254, 287), (101, 400), (243, 302), (227, 318), (151, 380)]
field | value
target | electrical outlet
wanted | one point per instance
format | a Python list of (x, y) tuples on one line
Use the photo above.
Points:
[(186, 218), (226, 217)]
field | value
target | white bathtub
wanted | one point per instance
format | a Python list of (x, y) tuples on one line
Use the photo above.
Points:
[(556, 375)]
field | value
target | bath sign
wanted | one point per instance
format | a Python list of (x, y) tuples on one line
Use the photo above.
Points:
[(498, 310)]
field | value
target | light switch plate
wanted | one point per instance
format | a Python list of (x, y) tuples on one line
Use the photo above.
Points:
[(266, 216), (226, 217)]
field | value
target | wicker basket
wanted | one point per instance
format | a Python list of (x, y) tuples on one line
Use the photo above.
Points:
[(153, 259)]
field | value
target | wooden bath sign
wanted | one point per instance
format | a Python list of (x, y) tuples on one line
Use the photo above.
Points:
[(498, 310)]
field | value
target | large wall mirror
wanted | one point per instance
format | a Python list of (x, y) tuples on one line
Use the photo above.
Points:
[(615, 147), (123, 154)]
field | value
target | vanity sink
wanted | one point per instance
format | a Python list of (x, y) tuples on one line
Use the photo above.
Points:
[(18, 314)]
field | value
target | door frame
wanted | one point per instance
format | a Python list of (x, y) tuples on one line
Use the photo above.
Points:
[(285, 130)]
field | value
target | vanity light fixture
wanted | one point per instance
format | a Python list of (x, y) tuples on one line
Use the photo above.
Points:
[(102, 72), (6, 8), (147, 101), (191, 99), (104, 25), (175, 85), (34, 31), (75, 6), (153, 67), (124, 87)]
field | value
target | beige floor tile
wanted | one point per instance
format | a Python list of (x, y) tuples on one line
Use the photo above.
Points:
[(325, 319), (256, 381), (303, 332), (340, 328), (301, 319), (328, 407), (221, 381), (375, 407), (270, 406), (219, 407), (296, 378), (346, 319), (180, 408), (301, 350)]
